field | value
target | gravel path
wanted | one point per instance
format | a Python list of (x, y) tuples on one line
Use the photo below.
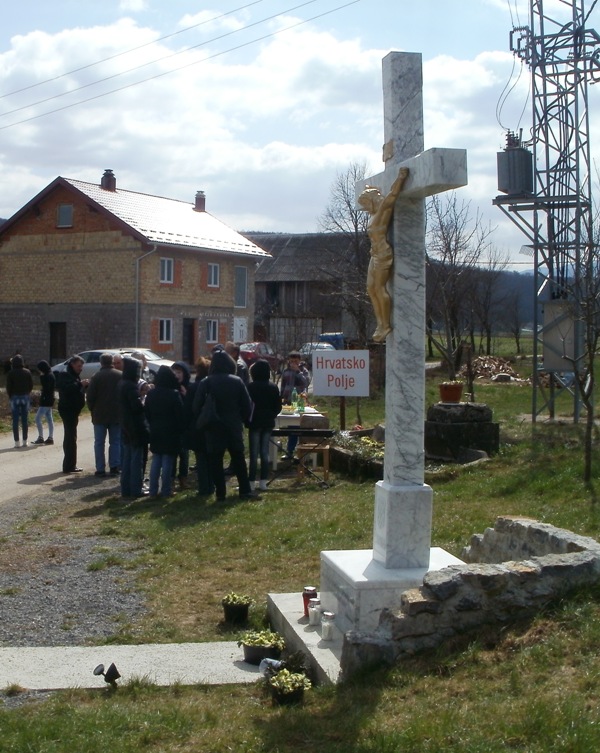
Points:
[(55, 587)]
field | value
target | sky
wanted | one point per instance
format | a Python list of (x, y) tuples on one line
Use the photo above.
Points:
[(259, 104)]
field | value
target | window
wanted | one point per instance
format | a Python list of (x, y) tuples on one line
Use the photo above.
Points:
[(166, 271), (213, 275), (165, 330), (212, 327), (64, 215), (241, 287)]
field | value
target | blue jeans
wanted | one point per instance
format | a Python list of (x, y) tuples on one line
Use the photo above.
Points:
[(44, 412), (19, 406), (259, 446), (161, 468), (114, 445), (131, 470)]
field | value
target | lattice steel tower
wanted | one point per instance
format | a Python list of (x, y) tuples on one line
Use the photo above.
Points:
[(549, 199)]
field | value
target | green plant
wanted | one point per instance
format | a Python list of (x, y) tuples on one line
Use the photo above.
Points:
[(364, 447), (285, 681), (235, 599), (262, 638)]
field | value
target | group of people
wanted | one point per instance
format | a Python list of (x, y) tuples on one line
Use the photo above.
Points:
[(165, 417)]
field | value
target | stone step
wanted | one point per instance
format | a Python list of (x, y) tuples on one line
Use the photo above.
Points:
[(286, 615)]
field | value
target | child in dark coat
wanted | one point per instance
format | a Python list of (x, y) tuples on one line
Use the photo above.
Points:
[(164, 410), (267, 404)]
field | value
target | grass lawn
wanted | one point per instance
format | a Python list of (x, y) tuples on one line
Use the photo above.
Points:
[(532, 687)]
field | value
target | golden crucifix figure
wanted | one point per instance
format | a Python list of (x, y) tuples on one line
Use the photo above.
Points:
[(381, 209)]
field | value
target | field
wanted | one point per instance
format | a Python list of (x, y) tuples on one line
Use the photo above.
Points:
[(530, 687)]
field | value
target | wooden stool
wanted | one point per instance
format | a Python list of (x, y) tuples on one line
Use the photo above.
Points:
[(309, 446)]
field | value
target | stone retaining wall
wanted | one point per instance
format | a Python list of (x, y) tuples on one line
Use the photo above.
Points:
[(516, 568)]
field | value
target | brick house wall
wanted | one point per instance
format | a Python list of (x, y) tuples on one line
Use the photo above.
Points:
[(85, 277)]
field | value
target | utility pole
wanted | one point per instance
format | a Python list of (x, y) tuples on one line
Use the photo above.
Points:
[(548, 192)]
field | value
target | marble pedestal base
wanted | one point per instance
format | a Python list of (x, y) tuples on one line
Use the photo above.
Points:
[(356, 587), (402, 525)]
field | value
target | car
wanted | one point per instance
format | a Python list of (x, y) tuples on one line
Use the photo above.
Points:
[(153, 360), (91, 360), (251, 352), (306, 351)]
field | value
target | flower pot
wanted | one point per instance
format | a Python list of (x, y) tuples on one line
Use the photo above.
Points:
[(450, 393), (236, 614), (287, 699), (255, 654)]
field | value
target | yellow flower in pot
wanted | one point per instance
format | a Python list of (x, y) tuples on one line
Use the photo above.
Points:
[(236, 607), (288, 687), (261, 644)]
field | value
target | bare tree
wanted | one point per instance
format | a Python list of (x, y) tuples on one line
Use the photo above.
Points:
[(456, 241), (511, 317), (345, 258), (485, 297)]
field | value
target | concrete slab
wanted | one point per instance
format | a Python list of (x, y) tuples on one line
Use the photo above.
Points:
[(62, 667)]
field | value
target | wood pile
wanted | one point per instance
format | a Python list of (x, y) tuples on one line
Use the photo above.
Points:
[(487, 367)]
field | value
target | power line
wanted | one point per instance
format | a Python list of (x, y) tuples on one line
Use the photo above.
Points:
[(150, 62), (126, 52), (182, 67)]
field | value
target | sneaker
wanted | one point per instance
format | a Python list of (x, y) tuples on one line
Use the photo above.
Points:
[(17, 444), (115, 471), (263, 486), (24, 443), (49, 441), (102, 474), (39, 440)]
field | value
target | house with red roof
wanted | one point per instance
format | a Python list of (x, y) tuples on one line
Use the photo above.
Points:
[(86, 265)]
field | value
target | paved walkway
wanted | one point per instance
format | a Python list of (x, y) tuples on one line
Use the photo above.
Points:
[(54, 668)]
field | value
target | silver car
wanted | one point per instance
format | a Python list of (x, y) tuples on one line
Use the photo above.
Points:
[(91, 361)]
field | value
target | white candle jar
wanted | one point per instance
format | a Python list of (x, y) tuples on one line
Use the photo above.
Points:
[(327, 626), (314, 611)]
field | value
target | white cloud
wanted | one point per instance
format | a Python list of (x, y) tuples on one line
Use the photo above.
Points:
[(263, 129), (133, 5)]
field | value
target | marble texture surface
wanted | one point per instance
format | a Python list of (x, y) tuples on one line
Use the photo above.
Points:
[(355, 587), (402, 525)]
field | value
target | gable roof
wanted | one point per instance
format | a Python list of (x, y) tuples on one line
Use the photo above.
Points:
[(299, 257), (155, 219)]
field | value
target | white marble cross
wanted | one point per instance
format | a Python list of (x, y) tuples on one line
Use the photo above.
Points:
[(357, 584), (402, 530)]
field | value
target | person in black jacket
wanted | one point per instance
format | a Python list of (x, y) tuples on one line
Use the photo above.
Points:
[(164, 411), (181, 465), (71, 399), (234, 409), (195, 438), (267, 404), (48, 384), (19, 384), (134, 429)]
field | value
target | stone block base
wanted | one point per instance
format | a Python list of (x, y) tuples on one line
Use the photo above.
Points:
[(449, 440), (356, 587)]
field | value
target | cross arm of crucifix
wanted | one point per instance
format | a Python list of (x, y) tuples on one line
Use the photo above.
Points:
[(433, 171)]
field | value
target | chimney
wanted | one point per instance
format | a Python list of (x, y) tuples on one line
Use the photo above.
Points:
[(200, 205), (108, 182)]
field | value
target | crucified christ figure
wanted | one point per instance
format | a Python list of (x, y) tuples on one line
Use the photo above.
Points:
[(381, 209)]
